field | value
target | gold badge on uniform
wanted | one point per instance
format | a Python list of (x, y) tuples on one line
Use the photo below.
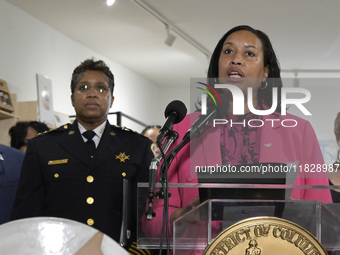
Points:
[(122, 157)]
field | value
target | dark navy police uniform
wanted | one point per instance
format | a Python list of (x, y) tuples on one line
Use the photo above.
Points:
[(60, 179)]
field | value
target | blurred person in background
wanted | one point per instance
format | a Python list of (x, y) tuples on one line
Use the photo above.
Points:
[(22, 131), (152, 132), (334, 174), (10, 166)]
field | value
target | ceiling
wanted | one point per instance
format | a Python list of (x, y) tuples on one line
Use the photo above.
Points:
[(304, 33)]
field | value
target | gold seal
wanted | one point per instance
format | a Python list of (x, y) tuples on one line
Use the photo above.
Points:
[(263, 236)]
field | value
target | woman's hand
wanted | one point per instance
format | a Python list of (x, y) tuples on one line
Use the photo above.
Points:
[(180, 212)]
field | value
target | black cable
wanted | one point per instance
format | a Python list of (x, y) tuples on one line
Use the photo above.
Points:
[(166, 201), (164, 182)]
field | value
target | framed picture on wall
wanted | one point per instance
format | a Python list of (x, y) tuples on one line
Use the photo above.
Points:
[(45, 103)]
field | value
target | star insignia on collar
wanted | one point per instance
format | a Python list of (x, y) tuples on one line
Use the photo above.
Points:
[(122, 157)]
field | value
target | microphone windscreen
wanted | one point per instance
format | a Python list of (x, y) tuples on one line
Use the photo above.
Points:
[(177, 107)]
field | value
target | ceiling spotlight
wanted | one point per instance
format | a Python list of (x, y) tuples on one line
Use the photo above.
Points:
[(110, 2), (170, 37)]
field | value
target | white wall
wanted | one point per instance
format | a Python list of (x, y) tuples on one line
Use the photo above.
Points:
[(29, 46), (324, 106), (168, 94)]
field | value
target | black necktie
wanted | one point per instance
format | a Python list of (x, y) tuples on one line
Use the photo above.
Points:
[(89, 134)]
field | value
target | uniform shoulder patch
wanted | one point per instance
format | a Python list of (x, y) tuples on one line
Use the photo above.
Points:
[(58, 129), (124, 128), (128, 130)]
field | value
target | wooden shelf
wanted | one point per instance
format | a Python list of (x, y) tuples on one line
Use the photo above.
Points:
[(5, 115), (23, 111)]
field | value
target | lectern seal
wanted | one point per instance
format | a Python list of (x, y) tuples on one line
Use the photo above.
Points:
[(265, 236)]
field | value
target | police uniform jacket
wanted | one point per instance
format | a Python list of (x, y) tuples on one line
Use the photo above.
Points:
[(60, 179)]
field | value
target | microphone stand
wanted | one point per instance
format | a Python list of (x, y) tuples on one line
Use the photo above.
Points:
[(169, 158), (164, 190), (173, 136), (194, 132)]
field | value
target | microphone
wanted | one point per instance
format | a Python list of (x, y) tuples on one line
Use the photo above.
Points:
[(174, 113), (213, 111), (197, 128)]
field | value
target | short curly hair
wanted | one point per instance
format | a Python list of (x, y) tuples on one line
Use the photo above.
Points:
[(91, 64)]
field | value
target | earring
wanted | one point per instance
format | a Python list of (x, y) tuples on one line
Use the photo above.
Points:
[(263, 87)]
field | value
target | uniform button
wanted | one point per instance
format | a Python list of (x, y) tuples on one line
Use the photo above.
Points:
[(90, 222), (56, 175), (91, 156), (90, 200), (89, 179), (123, 174)]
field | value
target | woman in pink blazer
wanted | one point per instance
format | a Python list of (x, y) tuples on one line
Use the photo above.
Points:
[(243, 57)]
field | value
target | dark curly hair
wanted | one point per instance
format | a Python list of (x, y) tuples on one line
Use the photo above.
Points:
[(18, 132), (270, 60), (91, 64)]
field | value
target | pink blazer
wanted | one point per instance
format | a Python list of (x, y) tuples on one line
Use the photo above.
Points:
[(278, 144)]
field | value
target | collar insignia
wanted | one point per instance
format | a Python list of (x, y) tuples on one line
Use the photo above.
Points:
[(122, 157), (71, 132), (112, 133)]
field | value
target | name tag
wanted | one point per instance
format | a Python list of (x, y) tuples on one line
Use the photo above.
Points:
[(57, 162)]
